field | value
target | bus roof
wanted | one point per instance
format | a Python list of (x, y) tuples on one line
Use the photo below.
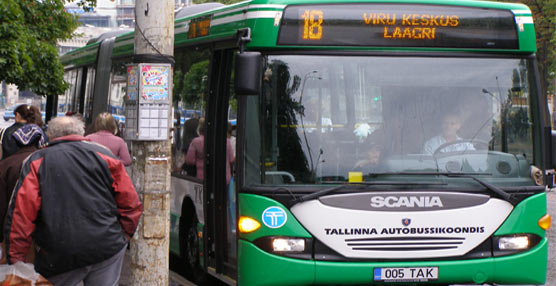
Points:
[(265, 18)]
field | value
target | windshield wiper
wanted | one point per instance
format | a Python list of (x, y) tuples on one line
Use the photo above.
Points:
[(494, 189), (372, 183), (501, 193)]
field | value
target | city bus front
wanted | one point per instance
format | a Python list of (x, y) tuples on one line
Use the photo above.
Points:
[(388, 166)]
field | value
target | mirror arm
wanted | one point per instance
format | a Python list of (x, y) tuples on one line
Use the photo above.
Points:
[(243, 37)]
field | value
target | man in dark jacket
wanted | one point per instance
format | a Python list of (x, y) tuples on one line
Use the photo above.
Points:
[(75, 200)]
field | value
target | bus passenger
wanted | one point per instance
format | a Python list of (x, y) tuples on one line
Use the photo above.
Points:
[(451, 124), (105, 129), (196, 153), (371, 160), (24, 114), (189, 133)]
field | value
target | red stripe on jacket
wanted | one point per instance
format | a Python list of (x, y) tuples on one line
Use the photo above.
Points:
[(27, 205), (127, 200)]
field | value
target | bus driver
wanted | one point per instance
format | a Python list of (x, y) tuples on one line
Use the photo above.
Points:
[(451, 124)]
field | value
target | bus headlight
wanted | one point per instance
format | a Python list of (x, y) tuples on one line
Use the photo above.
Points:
[(288, 246), (281, 244), (513, 243)]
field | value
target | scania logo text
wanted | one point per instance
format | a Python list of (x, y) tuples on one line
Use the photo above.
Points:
[(406, 201)]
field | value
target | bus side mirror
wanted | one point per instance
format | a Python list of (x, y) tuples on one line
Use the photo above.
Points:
[(247, 73)]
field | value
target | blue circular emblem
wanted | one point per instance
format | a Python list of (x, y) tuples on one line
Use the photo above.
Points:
[(274, 217)]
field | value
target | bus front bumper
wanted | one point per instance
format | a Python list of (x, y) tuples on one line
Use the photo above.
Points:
[(257, 267)]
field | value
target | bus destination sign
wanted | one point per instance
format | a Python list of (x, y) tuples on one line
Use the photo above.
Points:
[(199, 27), (398, 25)]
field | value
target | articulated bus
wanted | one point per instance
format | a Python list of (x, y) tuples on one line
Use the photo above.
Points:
[(378, 142)]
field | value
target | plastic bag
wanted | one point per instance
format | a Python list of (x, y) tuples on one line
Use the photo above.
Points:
[(21, 274)]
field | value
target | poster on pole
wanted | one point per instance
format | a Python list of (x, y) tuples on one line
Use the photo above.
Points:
[(132, 83), (154, 82)]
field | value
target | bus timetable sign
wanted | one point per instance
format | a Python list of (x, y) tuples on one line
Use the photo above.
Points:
[(147, 102), (398, 25)]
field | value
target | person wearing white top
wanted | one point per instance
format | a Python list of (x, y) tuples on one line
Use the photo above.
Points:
[(450, 126)]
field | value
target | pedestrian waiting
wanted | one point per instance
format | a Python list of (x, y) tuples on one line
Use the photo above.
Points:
[(105, 129), (75, 201), (28, 138), (24, 114)]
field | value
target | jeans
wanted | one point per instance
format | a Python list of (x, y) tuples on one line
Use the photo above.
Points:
[(104, 273)]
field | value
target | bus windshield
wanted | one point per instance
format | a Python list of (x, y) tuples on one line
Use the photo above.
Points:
[(325, 118)]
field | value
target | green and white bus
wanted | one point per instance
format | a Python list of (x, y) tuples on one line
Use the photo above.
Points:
[(378, 142)]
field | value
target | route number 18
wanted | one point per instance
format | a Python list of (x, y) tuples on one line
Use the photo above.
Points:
[(312, 27)]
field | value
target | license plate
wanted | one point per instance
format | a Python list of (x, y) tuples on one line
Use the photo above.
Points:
[(403, 274)]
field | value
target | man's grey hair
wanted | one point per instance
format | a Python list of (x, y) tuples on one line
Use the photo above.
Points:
[(65, 125)]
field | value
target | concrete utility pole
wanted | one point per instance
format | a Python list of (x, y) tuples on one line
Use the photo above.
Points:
[(149, 249)]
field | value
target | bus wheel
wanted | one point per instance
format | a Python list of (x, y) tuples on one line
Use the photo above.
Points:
[(190, 250)]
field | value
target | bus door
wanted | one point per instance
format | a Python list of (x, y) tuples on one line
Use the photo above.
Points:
[(220, 237)]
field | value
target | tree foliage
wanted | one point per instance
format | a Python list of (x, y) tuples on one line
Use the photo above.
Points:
[(29, 30)]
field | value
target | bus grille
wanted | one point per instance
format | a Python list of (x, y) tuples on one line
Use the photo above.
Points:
[(404, 243)]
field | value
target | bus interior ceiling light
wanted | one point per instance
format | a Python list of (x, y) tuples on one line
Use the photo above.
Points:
[(517, 242), (247, 224), (283, 244)]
